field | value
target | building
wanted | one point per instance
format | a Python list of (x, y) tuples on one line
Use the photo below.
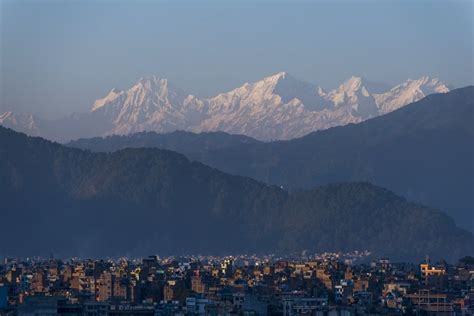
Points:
[(293, 306), (48, 306), (433, 303), (95, 309)]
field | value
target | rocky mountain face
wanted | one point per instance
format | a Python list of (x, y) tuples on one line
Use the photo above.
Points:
[(277, 107), (148, 200)]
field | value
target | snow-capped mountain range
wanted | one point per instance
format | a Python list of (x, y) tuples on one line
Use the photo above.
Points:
[(276, 107)]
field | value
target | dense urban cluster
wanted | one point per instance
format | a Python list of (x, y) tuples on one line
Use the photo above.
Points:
[(328, 284)]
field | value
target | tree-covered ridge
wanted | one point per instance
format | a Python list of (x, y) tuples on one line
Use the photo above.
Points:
[(147, 200)]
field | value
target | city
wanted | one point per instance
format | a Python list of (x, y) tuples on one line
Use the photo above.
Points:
[(326, 284), (237, 157)]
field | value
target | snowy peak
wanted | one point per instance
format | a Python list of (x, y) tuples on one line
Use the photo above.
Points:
[(427, 85), (152, 103), (110, 97), (154, 85), (408, 92), (274, 79), (17, 118), (25, 123), (353, 84), (6, 115), (437, 86), (280, 88), (254, 93), (147, 90), (267, 85), (152, 82), (354, 94), (290, 88), (424, 83), (157, 88), (353, 87)]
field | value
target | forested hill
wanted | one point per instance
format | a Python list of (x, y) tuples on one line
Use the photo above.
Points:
[(140, 201)]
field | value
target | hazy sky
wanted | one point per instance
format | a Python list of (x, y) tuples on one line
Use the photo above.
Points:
[(59, 56)]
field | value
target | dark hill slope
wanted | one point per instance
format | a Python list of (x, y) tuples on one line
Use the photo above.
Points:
[(140, 201)]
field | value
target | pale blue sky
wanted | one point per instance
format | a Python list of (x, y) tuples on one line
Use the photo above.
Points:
[(59, 56)]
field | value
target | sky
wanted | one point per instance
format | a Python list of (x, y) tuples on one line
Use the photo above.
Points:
[(57, 57)]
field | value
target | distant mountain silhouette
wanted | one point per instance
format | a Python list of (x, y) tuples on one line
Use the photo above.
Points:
[(180, 141), (140, 201), (423, 151)]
